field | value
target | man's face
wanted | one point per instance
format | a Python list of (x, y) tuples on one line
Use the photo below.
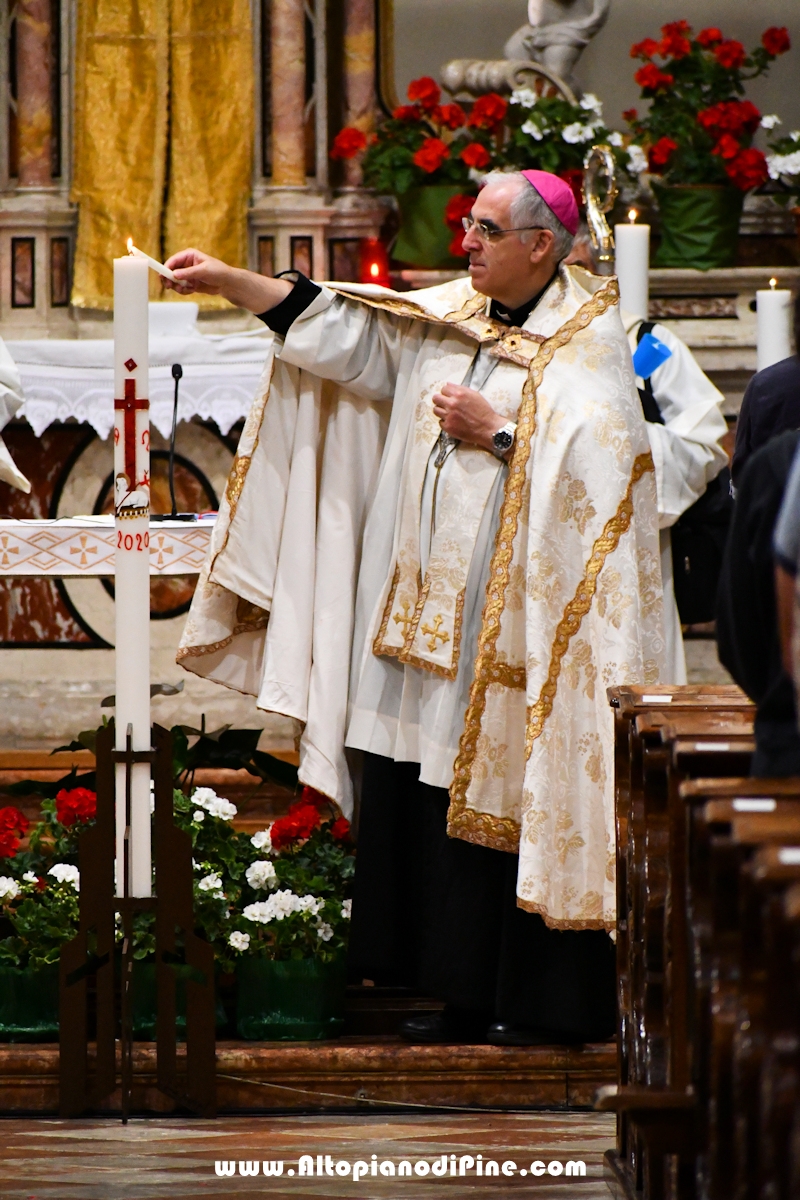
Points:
[(503, 266)]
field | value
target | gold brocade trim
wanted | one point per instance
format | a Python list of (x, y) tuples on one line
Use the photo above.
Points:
[(564, 922), (435, 669), (377, 646), (250, 626), (241, 465), (508, 676), (581, 602), (462, 821)]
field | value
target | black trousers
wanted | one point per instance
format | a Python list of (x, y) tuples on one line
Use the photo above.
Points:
[(440, 914)]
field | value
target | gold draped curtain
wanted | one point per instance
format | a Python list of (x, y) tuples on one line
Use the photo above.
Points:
[(164, 103)]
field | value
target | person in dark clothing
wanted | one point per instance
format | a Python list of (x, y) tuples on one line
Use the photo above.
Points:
[(771, 404), (747, 625), (439, 914)]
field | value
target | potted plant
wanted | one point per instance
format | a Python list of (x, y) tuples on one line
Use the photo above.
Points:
[(426, 155), (698, 137), (39, 887), (289, 931)]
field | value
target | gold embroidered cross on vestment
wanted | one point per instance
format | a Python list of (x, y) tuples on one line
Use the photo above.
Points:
[(433, 630)]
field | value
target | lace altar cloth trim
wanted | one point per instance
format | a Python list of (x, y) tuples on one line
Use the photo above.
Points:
[(63, 379), (80, 546)]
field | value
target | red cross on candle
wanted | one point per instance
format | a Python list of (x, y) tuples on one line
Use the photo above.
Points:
[(129, 407)]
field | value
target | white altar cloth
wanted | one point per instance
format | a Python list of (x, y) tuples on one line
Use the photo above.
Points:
[(81, 546), (75, 378)]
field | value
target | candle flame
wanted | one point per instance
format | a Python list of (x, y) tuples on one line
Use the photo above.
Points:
[(374, 269), (632, 215), (773, 283), (130, 245)]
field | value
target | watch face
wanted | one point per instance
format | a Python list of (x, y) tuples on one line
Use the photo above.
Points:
[(503, 440)]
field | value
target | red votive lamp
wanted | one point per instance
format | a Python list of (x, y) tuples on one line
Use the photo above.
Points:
[(374, 265)]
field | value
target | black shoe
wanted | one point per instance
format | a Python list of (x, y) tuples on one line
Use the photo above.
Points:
[(503, 1033), (448, 1026)]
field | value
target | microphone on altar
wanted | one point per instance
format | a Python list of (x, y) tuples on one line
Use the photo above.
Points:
[(174, 515)]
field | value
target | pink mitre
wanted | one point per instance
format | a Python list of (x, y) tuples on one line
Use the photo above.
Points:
[(557, 195)]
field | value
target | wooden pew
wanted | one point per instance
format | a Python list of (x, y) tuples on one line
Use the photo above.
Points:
[(728, 821), (701, 730)]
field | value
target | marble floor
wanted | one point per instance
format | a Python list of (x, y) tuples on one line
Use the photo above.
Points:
[(162, 1159)]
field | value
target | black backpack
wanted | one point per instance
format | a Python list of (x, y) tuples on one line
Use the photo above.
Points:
[(699, 535)]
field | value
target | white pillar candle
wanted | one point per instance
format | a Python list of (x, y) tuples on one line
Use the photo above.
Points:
[(132, 561), (632, 265), (773, 319)]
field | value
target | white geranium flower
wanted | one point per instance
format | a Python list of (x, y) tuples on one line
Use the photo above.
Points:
[(347, 908), (637, 159), (476, 176), (576, 133), (524, 97), (281, 904), (9, 888), (615, 138), (210, 883), (198, 815), (795, 135), (31, 877), (260, 874), (217, 806), (262, 840), (592, 103), (66, 873), (770, 121), (784, 164), (533, 130), (239, 941), (324, 930)]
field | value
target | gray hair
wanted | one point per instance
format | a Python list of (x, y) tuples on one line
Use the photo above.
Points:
[(528, 208)]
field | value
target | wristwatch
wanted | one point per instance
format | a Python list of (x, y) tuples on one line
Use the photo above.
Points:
[(503, 440)]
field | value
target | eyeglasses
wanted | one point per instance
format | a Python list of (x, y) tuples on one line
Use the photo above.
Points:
[(487, 232)]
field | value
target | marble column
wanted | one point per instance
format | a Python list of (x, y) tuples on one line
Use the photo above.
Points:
[(34, 103), (359, 74), (288, 85)]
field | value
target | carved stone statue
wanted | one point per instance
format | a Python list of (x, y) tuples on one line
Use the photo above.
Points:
[(557, 32)]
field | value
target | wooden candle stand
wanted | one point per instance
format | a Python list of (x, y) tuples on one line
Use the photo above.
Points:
[(85, 1084)]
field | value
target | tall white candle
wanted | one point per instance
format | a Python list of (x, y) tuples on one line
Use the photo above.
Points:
[(773, 320), (632, 265), (132, 561)]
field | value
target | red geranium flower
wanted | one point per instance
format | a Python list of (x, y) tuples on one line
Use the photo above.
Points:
[(675, 46), (425, 92), (645, 49), (776, 40), (488, 111), (408, 112), (298, 824), (475, 155), (650, 78), (727, 147), (709, 37), (630, 115), (458, 207), (340, 829), (452, 116), (748, 169), (431, 155), (12, 823), (730, 54), (78, 805), (676, 28), (733, 116), (348, 143), (660, 154), (456, 247)]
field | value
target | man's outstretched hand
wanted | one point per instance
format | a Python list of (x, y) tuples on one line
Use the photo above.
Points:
[(464, 414), (199, 272)]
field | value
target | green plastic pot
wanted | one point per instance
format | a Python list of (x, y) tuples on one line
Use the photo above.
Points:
[(424, 239), (144, 1001), (29, 1004), (699, 225), (298, 1000)]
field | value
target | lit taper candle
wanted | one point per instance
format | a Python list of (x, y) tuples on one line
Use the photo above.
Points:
[(632, 265), (773, 325)]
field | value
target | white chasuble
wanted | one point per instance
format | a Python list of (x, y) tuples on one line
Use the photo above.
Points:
[(471, 618)]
